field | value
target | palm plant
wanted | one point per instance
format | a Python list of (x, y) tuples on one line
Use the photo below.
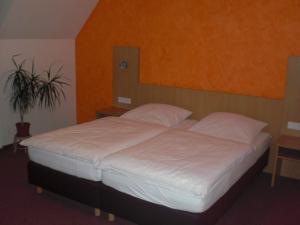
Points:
[(50, 89), (27, 88)]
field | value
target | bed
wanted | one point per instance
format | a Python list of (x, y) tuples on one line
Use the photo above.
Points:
[(78, 151), (112, 193), (72, 156), (177, 173), (186, 177)]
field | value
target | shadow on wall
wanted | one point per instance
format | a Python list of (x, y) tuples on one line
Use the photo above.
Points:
[(4, 9)]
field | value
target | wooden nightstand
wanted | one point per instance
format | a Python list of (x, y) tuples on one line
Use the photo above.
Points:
[(111, 111), (287, 148)]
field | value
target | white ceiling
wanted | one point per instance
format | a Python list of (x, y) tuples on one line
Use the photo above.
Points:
[(38, 19)]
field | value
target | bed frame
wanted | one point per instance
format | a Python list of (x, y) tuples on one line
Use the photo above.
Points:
[(78, 189), (100, 196)]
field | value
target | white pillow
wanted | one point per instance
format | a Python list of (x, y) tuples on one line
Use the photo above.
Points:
[(166, 115), (229, 126)]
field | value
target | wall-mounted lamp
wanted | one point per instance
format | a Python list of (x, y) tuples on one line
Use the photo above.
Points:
[(123, 64)]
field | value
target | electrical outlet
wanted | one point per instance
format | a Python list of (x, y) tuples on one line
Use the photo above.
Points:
[(124, 100), (293, 125)]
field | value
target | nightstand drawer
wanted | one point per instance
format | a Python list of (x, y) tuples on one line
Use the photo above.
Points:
[(288, 153), (287, 148)]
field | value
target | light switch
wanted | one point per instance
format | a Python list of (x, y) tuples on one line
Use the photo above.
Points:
[(124, 100), (293, 125)]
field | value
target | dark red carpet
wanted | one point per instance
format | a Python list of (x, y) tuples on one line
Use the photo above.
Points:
[(20, 205)]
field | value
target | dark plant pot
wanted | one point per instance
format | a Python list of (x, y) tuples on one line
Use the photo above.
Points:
[(23, 129)]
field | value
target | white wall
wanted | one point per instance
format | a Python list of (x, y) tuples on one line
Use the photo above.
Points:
[(45, 52), (43, 18)]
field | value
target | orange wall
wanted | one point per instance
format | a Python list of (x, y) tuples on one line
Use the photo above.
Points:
[(231, 46)]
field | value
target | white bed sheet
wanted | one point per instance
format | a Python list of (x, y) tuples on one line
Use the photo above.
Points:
[(55, 158), (71, 166), (78, 150), (181, 170)]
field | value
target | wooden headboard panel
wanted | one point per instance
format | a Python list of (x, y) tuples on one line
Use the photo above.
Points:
[(201, 103)]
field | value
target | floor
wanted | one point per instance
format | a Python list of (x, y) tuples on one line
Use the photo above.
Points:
[(259, 204)]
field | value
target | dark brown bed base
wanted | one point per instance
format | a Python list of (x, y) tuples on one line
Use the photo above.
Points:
[(98, 195), (81, 190)]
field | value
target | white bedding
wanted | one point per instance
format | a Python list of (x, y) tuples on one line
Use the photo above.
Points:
[(74, 166), (71, 166), (85, 145), (181, 170)]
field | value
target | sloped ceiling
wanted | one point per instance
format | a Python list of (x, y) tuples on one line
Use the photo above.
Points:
[(39, 19)]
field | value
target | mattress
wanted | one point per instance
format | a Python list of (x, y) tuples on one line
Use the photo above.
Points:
[(181, 170), (78, 150), (58, 150)]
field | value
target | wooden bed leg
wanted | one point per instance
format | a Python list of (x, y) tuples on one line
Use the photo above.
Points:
[(111, 217), (39, 190), (97, 212)]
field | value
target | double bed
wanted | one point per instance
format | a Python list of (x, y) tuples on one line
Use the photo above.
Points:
[(158, 174), (68, 161)]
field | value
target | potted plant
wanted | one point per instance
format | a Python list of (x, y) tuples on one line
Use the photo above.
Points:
[(27, 88)]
